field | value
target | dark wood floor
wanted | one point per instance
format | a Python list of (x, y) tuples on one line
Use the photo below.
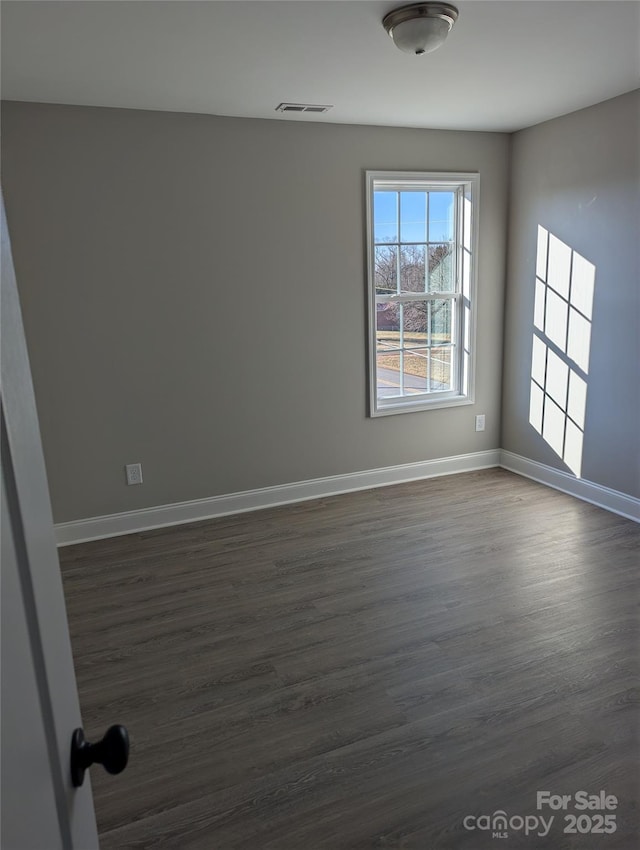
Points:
[(364, 671)]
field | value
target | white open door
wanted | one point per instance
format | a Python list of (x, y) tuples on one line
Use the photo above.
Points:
[(41, 810)]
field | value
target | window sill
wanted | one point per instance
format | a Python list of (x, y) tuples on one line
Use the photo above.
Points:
[(419, 405)]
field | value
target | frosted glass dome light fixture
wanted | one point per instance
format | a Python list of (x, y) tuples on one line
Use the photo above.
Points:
[(421, 27)]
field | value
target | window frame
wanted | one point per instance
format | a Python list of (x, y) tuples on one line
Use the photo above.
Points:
[(466, 185)]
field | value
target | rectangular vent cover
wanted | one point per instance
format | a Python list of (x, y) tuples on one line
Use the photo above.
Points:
[(303, 107)]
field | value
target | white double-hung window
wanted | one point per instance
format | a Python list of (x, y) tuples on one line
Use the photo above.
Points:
[(422, 250)]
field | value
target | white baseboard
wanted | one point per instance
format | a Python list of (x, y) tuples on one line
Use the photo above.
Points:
[(113, 525), (130, 522), (595, 494)]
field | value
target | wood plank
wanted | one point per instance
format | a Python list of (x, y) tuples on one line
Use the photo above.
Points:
[(363, 671)]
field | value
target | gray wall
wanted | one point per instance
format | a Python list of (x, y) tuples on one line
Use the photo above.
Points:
[(579, 177), (193, 290)]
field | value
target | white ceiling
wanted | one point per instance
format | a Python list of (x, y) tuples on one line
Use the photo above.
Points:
[(506, 65)]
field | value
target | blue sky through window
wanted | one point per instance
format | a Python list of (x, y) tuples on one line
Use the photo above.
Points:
[(407, 212)]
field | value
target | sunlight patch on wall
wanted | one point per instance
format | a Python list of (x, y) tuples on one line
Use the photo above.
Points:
[(562, 316)]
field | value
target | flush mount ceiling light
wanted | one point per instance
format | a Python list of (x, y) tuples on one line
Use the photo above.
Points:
[(421, 27)]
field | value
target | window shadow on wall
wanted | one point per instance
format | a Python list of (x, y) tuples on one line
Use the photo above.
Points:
[(563, 308)]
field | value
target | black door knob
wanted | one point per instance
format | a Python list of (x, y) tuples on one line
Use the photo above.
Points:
[(112, 752)]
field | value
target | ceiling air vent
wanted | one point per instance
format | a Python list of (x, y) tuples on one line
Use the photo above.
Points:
[(303, 107)]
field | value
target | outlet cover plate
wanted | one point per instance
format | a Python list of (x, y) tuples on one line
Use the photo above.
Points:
[(134, 473)]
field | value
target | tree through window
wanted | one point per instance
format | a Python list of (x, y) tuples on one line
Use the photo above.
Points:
[(421, 253)]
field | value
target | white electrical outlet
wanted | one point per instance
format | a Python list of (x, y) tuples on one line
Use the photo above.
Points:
[(134, 473), (480, 422)]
